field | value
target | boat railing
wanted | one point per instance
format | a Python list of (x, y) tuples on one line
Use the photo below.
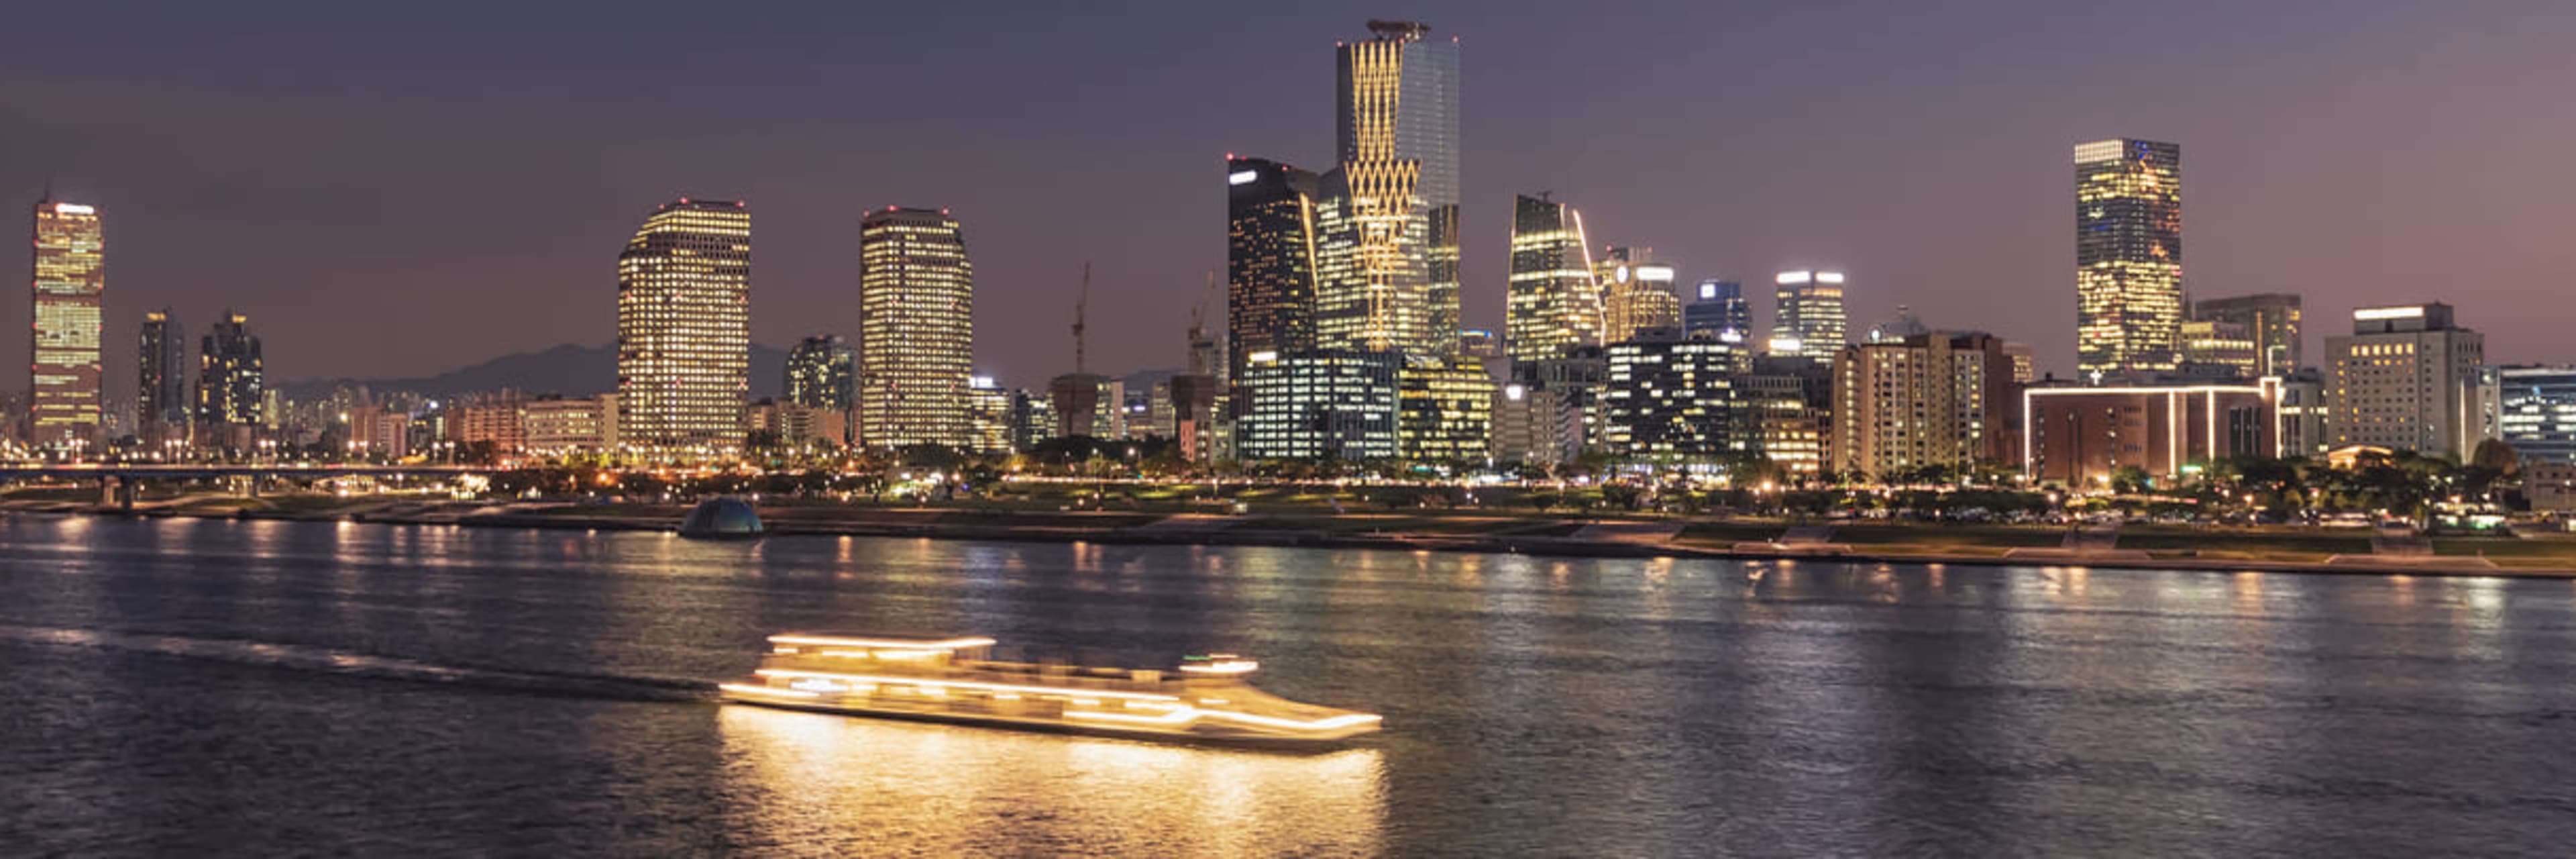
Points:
[(1030, 673)]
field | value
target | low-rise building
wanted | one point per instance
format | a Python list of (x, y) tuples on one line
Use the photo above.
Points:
[(2410, 378), (1321, 405), (558, 425), (498, 422), (2302, 409), (2537, 407), (2550, 486), (1930, 400), (1671, 397), (2080, 436), (1536, 426), (1445, 411)]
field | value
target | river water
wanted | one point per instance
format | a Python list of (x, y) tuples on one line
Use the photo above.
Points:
[(217, 686)]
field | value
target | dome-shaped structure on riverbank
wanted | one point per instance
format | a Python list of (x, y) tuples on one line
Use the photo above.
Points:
[(721, 519)]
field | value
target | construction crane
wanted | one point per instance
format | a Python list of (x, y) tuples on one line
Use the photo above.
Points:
[(1081, 301)]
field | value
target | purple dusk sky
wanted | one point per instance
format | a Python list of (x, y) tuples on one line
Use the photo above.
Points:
[(400, 189)]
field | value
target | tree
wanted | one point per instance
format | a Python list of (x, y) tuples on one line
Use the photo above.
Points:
[(2497, 456), (2129, 479)]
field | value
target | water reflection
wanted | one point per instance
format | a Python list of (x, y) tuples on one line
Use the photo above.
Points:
[(813, 779)]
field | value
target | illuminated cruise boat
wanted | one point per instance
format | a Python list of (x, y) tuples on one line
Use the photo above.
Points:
[(956, 680)]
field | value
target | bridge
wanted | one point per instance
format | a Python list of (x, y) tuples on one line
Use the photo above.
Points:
[(117, 479)]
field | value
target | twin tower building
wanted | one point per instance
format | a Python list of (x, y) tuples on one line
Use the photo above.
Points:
[(684, 328)]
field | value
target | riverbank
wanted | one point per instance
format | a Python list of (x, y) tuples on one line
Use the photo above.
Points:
[(2288, 550)]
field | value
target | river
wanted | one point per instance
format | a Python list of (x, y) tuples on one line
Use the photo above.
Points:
[(255, 687)]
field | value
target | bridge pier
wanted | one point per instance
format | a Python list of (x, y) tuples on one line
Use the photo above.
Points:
[(117, 492)]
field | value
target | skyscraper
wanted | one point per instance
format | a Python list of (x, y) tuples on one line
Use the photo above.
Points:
[(70, 279), (822, 373), (230, 385), (161, 381), (1636, 293), (2128, 256), (1396, 112), (1719, 311), (1810, 321), (916, 329), (684, 325), (2272, 318), (1269, 260), (1553, 304)]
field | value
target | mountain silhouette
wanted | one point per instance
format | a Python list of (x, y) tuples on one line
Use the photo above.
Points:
[(572, 369)]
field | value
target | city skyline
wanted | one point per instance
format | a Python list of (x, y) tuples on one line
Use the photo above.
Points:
[(1720, 207)]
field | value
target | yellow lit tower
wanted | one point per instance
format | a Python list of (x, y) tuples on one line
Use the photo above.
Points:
[(916, 330), (70, 279), (684, 326), (1392, 281), (2128, 256)]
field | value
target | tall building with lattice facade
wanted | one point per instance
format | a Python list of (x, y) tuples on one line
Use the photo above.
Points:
[(1396, 194)]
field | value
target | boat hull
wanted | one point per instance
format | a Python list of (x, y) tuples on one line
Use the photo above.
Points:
[(1266, 742)]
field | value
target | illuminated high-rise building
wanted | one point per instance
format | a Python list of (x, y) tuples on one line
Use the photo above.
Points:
[(916, 329), (2217, 349), (1636, 294), (1673, 398), (1942, 399), (161, 381), (1810, 321), (1718, 310), (1322, 405), (231, 385), (684, 326), (2128, 256), (988, 410), (1269, 260), (1553, 305), (70, 281), (1444, 411), (2409, 378), (1396, 192), (822, 373), (2538, 406), (2272, 318)]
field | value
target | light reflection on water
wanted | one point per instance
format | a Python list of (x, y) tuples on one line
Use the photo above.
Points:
[(815, 778), (326, 689)]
